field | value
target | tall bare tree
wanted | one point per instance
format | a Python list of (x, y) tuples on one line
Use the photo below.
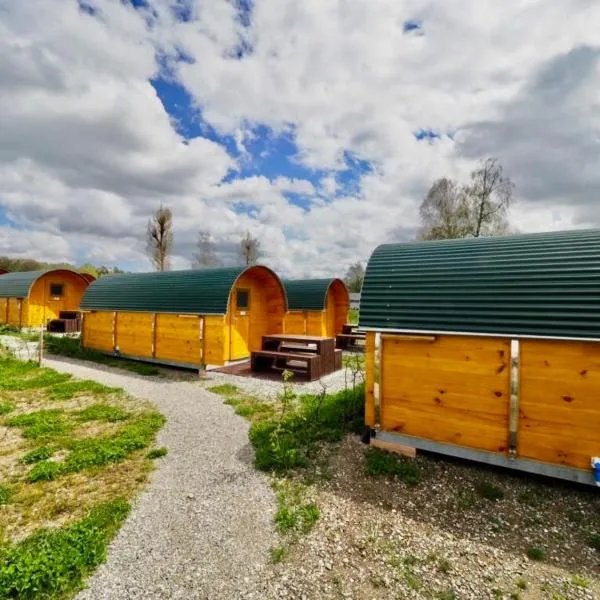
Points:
[(444, 212), (250, 249), (355, 276), (159, 238), (489, 197), (450, 210), (206, 256)]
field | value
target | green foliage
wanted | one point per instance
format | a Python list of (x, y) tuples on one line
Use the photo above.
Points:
[(535, 553), (224, 389), (278, 554), (42, 423), (157, 453), (53, 563), (6, 407), (5, 493), (98, 452), (293, 514), (71, 347), (69, 389), (378, 462), (287, 442), (41, 453), (489, 491), (353, 316), (103, 412)]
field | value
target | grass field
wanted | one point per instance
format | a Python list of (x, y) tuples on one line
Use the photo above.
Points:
[(72, 455)]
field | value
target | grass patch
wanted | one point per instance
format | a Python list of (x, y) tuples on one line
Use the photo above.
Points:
[(157, 453), (103, 412), (278, 554), (6, 407), (34, 456), (224, 389), (535, 553), (70, 389), (489, 491), (40, 379), (71, 347), (98, 452), (289, 440), (45, 423), (250, 408), (379, 462), (53, 563), (294, 515)]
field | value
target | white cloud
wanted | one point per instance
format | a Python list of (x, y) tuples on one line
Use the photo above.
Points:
[(87, 149)]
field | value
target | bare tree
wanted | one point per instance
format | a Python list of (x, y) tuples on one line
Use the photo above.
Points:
[(159, 238), (206, 255), (250, 249), (450, 210), (489, 197), (444, 212), (355, 277)]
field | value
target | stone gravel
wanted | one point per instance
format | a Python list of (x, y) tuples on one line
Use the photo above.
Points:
[(204, 525)]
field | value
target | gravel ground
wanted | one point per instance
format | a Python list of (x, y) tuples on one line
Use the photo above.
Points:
[(204, 526), (378, 538)]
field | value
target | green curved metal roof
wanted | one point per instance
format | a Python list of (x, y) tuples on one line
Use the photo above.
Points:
[(197, 291), (307, 294), (17, 285), (531, 285)]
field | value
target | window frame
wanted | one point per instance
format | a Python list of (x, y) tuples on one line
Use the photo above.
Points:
[(237, 296), (62, 290)]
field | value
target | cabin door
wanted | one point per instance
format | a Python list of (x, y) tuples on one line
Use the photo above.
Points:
[(240, 324)]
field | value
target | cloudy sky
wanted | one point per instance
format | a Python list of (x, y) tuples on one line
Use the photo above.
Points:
[(315, 124)]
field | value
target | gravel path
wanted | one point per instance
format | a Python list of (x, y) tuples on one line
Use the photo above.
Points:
[(204, 526)]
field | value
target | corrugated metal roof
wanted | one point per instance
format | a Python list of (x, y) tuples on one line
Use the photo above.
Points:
[(17, 285), (544, 284), (307, 294), (197, 291)]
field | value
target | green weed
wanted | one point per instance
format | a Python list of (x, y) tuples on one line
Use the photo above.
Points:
[(278, 554), (294, 515), (224, 389), (250, 408), (42, 453), (5, 493), (103, 412), (53, 563), (535, 553), (6, 407), (521, 583), (378, 463), (489, 491), (42, 423), (446, 595), (594, 542), (69, 389), (157, 453)]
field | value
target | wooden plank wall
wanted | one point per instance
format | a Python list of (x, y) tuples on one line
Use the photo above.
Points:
[(370, 379), (295, 322), (454, 389), (98, 331), (178, 338), (134, 334), (3, 311), (316, 322), (14, 312), (560, 402)]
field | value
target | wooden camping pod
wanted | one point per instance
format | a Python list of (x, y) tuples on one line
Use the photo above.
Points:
[(488, 349), (32, 298), (188, 318), (316, 306)]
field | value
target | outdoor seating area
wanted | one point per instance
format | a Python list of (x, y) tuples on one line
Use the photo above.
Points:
[(310, 356), (67, 322), (351, 338)]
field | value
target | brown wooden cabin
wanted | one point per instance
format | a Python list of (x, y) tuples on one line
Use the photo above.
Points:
[(188, 318), (316, 306), (33, 298), (488, 349)]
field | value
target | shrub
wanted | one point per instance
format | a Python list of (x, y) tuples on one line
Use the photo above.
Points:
[(53, 563)]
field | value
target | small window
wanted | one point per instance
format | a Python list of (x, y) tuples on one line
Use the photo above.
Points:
[(243, 299), (56, 290)]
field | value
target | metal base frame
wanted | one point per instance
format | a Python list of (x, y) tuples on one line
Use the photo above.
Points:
[(490, 458)]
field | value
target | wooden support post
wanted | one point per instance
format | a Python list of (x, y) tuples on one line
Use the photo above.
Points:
[(202, 367), (513, 418)]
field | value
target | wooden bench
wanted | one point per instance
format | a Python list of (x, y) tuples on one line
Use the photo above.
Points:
[(343, 340), (265, 360)]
